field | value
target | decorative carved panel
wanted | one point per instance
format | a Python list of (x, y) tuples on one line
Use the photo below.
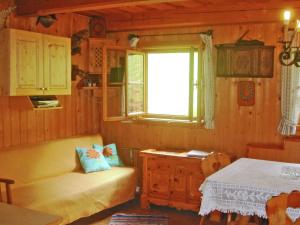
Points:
[(245, 61)]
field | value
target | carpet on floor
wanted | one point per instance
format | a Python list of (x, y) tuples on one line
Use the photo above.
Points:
[(137, 219)]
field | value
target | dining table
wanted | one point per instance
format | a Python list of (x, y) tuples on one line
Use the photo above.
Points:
[(245, 186)]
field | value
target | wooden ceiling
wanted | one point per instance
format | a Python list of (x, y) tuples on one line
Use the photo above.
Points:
[(124, 15)]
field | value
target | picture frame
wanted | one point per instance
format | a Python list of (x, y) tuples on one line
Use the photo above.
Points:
[(246, 93)]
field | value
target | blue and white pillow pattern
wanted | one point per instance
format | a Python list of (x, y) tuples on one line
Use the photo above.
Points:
[(110, 153), (92, 160)]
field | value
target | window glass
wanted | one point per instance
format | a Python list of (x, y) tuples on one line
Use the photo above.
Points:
[(168, 83), (135, 84)]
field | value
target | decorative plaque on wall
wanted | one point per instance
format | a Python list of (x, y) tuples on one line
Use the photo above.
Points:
[(245, 61)]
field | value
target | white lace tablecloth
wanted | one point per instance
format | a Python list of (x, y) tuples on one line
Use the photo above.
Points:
[(245, 186)]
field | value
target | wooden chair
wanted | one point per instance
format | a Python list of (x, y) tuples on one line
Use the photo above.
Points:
[(7, 183), (276, 208), (211, 164), (245, 220)]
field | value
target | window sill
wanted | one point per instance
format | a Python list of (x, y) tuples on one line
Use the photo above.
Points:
[(165, 122)]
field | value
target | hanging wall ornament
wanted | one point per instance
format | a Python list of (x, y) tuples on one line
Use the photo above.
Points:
[(97, 27), (77, 39), (46, 21), (4, 15), (133, 40), (246, 93)]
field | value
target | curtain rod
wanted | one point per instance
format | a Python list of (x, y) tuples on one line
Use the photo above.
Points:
[(208, 32)]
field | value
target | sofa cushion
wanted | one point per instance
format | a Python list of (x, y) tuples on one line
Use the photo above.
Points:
[(74, 195), (113, 159), (92, 159), (28, 163)]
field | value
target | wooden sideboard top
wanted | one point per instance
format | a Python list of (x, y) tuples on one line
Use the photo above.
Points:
[(165, 153)]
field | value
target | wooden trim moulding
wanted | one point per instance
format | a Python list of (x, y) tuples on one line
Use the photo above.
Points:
[(46, 7), (192, 18)]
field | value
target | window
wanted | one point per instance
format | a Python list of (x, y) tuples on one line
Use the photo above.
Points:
[(163, 84)]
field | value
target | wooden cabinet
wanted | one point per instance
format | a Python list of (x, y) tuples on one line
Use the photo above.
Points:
[(34, 64), (245, 61), (96, 54), (171, 179), (108, 60)]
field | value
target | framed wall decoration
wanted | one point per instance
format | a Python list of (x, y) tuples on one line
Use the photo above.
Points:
[(246, 93), (97, 27), (256, 61)]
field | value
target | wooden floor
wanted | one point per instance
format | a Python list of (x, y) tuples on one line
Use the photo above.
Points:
[(176, 217)]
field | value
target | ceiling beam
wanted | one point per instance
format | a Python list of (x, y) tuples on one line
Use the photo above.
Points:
[(46, 7), (169, 20)]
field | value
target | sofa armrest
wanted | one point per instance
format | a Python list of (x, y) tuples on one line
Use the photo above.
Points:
[(7, 183)]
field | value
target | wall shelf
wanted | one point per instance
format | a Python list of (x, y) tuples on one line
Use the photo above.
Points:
[(49, 108), (91, 88), (27, 103)]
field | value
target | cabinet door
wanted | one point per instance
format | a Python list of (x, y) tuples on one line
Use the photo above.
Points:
[(26, 63), (57, 65), (113, 83), (178, 183), (158, 178)]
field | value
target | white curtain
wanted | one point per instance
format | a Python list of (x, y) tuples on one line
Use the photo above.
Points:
[(290, 97), (209, 82)]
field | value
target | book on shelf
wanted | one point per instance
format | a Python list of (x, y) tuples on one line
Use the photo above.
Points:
[(197, 153)]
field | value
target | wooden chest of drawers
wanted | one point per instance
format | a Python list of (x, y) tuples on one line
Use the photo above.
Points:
[(171, 179)]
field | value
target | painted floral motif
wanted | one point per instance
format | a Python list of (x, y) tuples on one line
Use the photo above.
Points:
[(93, 154), (107, 152)]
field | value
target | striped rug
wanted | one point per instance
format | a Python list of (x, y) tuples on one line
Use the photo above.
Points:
[(137, 219)]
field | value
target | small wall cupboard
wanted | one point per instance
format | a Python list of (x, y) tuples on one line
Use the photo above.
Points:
[(34, 64), (108, 60)]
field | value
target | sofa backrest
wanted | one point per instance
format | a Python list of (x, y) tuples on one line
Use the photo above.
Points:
[(28, 163)]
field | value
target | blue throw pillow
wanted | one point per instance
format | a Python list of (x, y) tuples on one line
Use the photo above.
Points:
[(92, 160), (110, 153)]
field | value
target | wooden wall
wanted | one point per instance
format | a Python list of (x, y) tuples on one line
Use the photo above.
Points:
[(236, 126), (81, 110)]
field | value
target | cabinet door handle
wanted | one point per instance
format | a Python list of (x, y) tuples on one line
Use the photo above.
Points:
[(42, 88), (47, 89)]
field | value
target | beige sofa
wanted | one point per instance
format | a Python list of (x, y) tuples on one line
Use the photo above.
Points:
[(49, 178)]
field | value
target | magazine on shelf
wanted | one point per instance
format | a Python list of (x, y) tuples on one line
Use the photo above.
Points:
[(197, 153)]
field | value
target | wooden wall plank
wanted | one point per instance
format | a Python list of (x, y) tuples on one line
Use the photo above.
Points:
[(6, 121), (1, 123), (23, 127), (40, 126), (32, 127)]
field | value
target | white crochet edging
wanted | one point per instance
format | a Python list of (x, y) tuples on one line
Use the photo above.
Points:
[(230, 198)]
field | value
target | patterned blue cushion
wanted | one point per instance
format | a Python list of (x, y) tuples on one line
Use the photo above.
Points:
[(92, 160), (110, 153)]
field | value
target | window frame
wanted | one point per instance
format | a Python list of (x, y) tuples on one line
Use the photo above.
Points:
[(177, 118), (138, 114), (105, 86), (155, 118)]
